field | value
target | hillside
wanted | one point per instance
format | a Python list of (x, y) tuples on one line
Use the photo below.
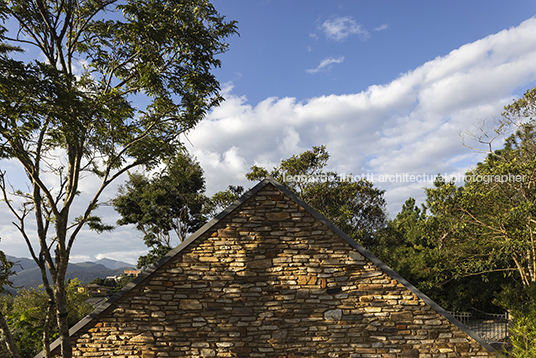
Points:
[(28, 274)]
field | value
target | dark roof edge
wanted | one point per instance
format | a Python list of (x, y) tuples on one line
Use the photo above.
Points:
[(148, 272), (382, 265)]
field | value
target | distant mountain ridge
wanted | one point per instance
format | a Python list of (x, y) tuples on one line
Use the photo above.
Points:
[(113, 264), (29, 276)]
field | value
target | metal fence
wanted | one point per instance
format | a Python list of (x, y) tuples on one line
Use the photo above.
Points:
[(491, 327)]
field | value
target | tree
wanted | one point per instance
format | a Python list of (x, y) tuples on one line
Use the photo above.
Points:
[(5, 332), (222, 199), (494, 214), (119, 82), (170, 202), (485, 228), (415, 245), (407, 245), (356, 207), (499, 197)]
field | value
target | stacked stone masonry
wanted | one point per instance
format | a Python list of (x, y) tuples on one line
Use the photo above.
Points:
[(271, 280)]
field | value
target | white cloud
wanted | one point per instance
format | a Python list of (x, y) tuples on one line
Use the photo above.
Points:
[(325, 64), (290, 140), (340, 28), (125, 256), (381, 27), (79, 258), (409, 125)]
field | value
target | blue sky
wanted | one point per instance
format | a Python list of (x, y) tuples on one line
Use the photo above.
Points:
[(387, 85), (280, 40)]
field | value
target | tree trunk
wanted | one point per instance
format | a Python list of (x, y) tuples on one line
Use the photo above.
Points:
[(60, 296), (10, 343), (61, 315), (46, 327)]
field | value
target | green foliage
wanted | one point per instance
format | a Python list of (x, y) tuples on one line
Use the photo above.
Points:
[(516, 298), (492, 217), (520, 301), (222, 199), (407, 244), (172, 201), (122, 282), (113, 286), (523, 335), (26, 313), (522, 110), (413, 245), (27, 319), (5, 272), (356, 207), (6, 335)]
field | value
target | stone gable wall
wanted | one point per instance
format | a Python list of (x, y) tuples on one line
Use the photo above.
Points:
[(270, 280)]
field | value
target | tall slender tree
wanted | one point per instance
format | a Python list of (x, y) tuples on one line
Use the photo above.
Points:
[(112, 85)]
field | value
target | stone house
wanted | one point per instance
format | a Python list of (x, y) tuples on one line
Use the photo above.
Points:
[(270, 277)]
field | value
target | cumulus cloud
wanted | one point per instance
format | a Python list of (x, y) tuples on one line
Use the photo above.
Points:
[(325, 64), (409, 125), (340, 28)]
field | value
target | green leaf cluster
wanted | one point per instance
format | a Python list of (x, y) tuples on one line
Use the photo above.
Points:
[(6, 270), (222, 199), (170, 202), (415, 245), (26, 314)]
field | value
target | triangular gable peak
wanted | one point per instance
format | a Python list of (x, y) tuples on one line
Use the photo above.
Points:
[(271, 277)]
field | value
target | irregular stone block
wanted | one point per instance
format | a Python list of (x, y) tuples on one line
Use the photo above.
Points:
[(242, 311), (259, 264), (355, 256), (145, 337), (372, 274), (277, 216), (307, 280), (281, 334), (189, 304), (208, 352), (333, 315), (227, 233), (401, 316)]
